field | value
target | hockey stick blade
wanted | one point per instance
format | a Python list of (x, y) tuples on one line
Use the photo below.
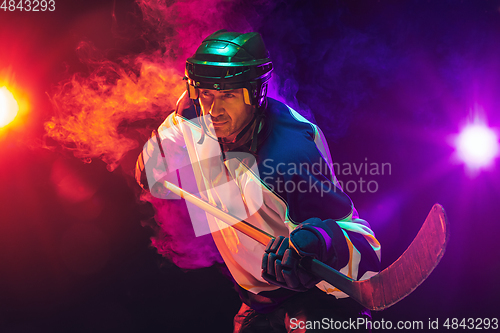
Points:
[(402, 277)]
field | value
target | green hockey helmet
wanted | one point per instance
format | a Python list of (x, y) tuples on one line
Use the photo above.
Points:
[(231, 60)]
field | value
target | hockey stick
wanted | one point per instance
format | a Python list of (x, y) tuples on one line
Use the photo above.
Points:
[(380, 291)]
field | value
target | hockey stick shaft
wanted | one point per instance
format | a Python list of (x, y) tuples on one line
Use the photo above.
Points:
[(253, 232), (315, 266)]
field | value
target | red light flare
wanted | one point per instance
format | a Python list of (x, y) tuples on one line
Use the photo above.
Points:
[(13, 102), (8, 107)]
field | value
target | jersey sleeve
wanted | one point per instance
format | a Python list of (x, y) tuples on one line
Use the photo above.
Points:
[(359, 255), (352, 243), (362, 258), (162, 155)]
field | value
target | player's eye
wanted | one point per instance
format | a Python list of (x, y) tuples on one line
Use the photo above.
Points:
[(228, 95)]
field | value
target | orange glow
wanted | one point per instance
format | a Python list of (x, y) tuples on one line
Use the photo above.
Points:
[(95, 114), (8, 107)]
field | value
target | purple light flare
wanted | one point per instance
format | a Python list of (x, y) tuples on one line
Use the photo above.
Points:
[(477, 146)]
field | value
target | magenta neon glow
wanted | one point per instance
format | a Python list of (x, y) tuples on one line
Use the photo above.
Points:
[(477, 145)]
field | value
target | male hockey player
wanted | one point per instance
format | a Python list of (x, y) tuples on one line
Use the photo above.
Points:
[(258, 159)]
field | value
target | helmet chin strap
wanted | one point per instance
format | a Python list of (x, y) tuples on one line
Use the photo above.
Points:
[(258, 123)]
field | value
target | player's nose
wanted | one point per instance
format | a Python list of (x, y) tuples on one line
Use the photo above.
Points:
[(217, 108)]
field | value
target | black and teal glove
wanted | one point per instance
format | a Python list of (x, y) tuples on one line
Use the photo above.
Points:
[(313, 238)]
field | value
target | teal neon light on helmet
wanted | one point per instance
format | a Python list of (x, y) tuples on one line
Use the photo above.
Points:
[(231, 60)]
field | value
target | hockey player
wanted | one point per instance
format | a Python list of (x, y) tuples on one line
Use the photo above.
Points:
[(259, 160)]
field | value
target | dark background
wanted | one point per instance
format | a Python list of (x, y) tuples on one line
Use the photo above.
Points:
[(387, 81)]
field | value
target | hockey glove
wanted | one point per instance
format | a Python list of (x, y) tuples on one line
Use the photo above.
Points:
[(280, 266), (313, 238)]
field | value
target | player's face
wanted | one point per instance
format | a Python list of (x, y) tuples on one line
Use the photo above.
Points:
[(228, 111)]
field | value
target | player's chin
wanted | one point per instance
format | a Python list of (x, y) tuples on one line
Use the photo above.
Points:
[(222, 132)]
